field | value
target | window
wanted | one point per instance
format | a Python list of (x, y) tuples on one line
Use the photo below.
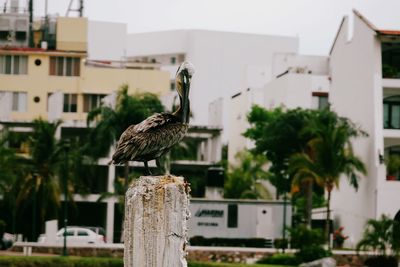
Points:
[(172, 85), (70, 232), (13, 64), (64, 66), (70, 103), (82, 233), (391, 112), (173, 60), (92, 101), (18, 102), (391, 60), (4, 35), (232, 215), (320, 100)]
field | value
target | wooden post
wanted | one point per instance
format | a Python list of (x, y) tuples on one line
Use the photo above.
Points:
[(156, 214)]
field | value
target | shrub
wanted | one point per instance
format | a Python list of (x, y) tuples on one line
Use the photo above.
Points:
[(280, 259), (281, 243), (380, 261), (312, 253), (228, 242), (301, 236), (309, 242)]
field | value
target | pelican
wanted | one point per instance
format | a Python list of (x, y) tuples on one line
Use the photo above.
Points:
[(156, 135)]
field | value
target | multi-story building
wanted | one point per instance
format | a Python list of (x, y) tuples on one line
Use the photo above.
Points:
[(365, 87), (60, 78), (225, 62), (297, 81)]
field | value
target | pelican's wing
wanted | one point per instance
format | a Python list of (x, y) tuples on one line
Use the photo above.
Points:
[(138, 140), (155, 121)]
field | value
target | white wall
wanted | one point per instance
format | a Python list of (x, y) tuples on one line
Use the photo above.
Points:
[(255, 219), (317, 65), (222, 61), (356, 93), (106, 40)]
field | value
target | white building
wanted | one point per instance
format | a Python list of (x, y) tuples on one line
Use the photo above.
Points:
[(297, 81), (225, 62), (365, 87)]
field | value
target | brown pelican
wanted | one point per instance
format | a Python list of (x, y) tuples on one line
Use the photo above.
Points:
[(157, 134)]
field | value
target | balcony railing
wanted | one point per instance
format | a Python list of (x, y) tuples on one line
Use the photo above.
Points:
[(390, 72)]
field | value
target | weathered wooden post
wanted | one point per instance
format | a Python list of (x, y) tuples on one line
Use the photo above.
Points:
[(156, 214)]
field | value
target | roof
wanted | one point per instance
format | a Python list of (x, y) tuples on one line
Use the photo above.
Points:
[(31, 50), (373, 27), (388, 32), (369, 24)]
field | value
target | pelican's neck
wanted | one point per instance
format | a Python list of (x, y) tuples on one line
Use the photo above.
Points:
[(183, 110)]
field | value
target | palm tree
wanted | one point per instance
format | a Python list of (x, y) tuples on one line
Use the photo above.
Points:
[(40, 186), (243, 181), (379, 236), (10, 173), (330, 155)]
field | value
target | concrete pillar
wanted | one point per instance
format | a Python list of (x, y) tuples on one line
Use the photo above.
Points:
[(110, 205), (110, 221), (156, 214)]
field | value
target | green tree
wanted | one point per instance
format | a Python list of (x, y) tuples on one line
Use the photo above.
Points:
[(243, 180), (329, 154), (277, 135), (379, 235), (111, 123), (10, 174), (40, 185)]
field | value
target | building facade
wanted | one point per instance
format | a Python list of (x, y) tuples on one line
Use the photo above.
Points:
[(297, 82), (60, 78), (365, 73), (225, 62)]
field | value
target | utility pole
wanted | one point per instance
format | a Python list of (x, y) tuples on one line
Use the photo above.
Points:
[(34, 209), (30, 23), (65, 183)]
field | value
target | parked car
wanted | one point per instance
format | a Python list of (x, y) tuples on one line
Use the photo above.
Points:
[(77, 235)]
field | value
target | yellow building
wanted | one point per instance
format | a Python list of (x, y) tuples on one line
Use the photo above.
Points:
[(29, 76)]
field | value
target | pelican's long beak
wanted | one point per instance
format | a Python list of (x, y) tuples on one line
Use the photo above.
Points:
[(185, 78)]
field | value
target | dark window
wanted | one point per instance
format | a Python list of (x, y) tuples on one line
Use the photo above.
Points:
[(91, 101), (391, 112), (20, 36), (4, 35), (82, 233), (173, 60), (232, 215), (391, 60), (64, 66), (70, 103), (70, 232), (19, 102)]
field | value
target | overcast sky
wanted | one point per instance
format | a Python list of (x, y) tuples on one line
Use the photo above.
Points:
[(315, 22)]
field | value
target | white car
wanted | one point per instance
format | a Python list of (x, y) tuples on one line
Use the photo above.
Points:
[(76, 235)]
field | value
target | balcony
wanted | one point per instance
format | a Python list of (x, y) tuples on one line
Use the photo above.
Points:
[(390, 60)]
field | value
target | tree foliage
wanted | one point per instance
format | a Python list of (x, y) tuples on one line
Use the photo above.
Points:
[(278, 134), (306, 148), (379, 235), (242, 181)]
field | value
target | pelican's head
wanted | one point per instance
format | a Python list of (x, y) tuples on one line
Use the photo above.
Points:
[(183, 77)]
